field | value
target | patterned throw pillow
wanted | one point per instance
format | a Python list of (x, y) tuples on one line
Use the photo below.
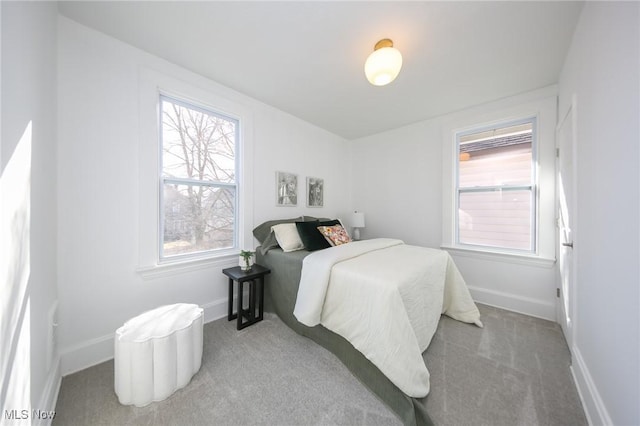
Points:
[(336, 234)]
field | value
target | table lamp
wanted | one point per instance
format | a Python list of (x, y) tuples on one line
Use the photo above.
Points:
[(357, 222)]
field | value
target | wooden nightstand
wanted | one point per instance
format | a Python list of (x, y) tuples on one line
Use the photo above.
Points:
[(255, 276)]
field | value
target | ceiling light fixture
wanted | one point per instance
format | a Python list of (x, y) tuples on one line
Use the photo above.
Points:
[(383, 64)]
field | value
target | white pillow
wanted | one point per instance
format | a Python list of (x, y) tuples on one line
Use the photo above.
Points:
[(288, 237)]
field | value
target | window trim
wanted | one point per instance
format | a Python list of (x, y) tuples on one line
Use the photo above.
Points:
[(198, 91), (533, 187), (541, 104), (162, 181)]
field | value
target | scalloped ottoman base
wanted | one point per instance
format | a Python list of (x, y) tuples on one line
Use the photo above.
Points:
[(157, 353)]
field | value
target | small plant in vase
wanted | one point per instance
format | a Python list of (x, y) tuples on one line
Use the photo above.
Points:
[(246, 256)]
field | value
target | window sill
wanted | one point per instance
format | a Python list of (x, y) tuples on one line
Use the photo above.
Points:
[(166, 269), (499, 256)]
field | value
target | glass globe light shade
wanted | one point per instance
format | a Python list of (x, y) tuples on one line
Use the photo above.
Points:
[(383, 66)]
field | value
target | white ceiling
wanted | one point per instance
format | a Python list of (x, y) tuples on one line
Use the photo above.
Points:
[(307, 58)]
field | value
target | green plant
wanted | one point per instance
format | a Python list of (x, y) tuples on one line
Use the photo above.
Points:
[(247, 255)]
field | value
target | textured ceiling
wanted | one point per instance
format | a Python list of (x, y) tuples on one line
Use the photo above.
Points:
[(307, 58)]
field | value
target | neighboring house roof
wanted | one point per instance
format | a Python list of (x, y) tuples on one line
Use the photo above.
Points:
[(496, 142)]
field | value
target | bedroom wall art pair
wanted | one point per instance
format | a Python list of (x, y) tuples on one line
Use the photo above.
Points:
[(287, 190)]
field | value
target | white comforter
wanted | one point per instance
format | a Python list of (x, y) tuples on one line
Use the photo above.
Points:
[(385, 298)]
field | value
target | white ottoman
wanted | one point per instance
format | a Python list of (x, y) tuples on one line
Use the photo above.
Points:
[(157, 353)]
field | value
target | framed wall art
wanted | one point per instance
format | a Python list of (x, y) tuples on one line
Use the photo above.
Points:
[(286, 189), (315, 192)]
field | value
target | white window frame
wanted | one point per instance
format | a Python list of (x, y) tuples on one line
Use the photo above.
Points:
[(210, 110), (540, 104), (532, 186), (198, 91)]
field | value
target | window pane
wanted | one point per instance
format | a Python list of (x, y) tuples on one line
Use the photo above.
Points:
[(496, 219), (197, 218), (197, 144), (499, 157)]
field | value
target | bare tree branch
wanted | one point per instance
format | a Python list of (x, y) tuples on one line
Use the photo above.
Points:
[(198, 146)]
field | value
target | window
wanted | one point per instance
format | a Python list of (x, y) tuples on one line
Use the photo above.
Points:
[(496, 187), (198, 180)]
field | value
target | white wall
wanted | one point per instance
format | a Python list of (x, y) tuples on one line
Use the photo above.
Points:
[(399, 179), (28, 372), (397, 183), (602, 71), (98, 194)]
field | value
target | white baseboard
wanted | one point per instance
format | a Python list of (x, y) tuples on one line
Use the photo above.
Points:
[(594, 408), (512, 302), (100, 349), (215, 310), (86, 354), (49, 396)]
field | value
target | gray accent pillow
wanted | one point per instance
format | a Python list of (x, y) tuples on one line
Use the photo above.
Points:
[(263, 231), (311, 219), (267, 238)]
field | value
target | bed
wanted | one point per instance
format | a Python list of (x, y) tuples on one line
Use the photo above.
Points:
[(373, 325)]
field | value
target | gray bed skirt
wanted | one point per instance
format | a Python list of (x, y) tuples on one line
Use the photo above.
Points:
[(280, 297)]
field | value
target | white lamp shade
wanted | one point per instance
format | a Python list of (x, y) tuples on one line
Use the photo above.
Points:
[(383, 66), (357, 220)]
